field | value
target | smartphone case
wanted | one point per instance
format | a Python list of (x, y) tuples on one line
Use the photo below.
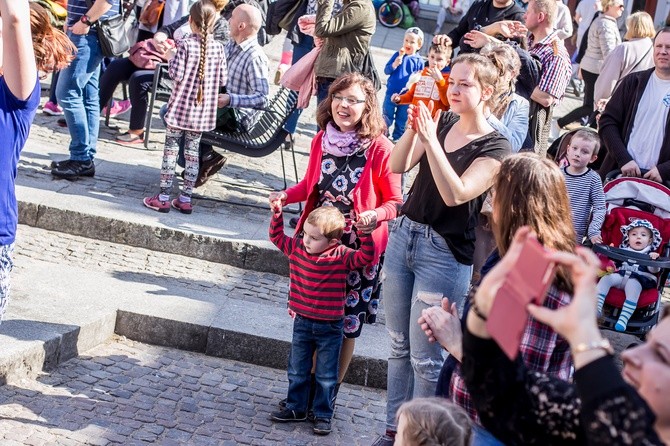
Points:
[(527, 282)]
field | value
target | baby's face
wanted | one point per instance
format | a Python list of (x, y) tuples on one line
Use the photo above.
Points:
[(639, 238)]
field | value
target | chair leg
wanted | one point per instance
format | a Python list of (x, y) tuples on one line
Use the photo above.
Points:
[(283, 164), (147, 124), (108, 111)]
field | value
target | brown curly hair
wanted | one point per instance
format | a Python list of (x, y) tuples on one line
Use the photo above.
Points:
[(372, 122), (53, 49)]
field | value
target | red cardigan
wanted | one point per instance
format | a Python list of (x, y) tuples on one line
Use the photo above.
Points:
[(378, 188)]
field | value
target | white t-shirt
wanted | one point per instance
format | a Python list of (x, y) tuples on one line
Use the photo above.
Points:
[(586, 10), (648, 131)]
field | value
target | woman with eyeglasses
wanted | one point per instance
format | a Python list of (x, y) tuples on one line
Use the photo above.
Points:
[(603, 37), (349, 169), (431, 246)]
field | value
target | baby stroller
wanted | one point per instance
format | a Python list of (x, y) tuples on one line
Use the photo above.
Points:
[(628, 199), (558, 150)]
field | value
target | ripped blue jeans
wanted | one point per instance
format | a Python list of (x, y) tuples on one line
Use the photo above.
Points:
[(417, 259)]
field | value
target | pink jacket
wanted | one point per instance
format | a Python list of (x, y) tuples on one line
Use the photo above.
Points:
[(378, 188)]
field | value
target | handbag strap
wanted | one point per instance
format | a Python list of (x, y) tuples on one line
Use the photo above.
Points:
[(632, 70)]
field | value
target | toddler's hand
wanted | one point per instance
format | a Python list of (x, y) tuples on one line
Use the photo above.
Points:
[(395, 98), (291, 313), (367, 222), (654, 255), (277, 201), (596, 239)]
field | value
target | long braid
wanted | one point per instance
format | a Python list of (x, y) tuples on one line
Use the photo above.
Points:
[(204, 30)]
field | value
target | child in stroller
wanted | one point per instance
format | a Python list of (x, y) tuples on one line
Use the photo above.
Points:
[(629, 199), (639, 236)]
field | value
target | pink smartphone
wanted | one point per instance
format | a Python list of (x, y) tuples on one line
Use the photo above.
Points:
[(527, 282)]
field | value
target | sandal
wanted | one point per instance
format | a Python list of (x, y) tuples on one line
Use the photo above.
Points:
[(130, 138)]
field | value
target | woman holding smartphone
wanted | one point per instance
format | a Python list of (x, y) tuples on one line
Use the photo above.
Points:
[(431, 245)]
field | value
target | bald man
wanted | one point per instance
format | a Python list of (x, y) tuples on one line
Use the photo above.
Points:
[(248, 88)]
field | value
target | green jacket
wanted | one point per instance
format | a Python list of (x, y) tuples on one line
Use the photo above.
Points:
[(346, 36)]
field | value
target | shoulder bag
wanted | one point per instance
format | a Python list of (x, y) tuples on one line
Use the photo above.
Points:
[(113, 34), (151, 12)]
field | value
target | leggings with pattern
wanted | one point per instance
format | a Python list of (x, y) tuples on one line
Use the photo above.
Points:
[(6, 265), (191, 155)]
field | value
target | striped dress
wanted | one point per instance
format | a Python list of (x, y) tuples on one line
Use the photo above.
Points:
[(318, 282)]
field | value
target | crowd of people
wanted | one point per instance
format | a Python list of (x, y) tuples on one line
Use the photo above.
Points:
[(438, 255)]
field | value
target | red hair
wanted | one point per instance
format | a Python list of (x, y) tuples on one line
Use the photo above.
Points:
[(53, 49)]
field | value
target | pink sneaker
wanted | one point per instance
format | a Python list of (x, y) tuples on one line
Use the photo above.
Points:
[(118, 108), (156, 204), (52, 109), (183, 207)]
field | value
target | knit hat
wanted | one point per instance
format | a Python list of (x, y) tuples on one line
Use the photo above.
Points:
[(656, 235), (417, 31)]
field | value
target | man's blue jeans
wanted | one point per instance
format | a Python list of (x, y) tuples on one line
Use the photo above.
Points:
[(324, 337), (78, 95), (395, 113), (417, 259)]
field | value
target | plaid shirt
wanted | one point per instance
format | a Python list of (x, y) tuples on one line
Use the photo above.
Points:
[(248, 80), (556, 65), (542, 350), (183, 111)]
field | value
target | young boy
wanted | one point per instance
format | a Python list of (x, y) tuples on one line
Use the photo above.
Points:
[(402, 64), (433, 83), (318, 267), (585, 188)]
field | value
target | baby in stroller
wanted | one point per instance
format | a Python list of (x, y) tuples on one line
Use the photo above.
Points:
[(639, 236)]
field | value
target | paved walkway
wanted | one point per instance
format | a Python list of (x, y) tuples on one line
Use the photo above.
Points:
[(128, 393)]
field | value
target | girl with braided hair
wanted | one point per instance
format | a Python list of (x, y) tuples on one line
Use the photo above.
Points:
[(198, 70)]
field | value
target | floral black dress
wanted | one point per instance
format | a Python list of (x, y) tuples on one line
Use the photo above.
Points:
[(363, 288)]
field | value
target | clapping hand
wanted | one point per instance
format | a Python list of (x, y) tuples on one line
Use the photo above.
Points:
[(476, 39), (435, 73), (442, 325), (424, 123)]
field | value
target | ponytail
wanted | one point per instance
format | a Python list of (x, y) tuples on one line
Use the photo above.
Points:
[(203, 15), (201, 63)]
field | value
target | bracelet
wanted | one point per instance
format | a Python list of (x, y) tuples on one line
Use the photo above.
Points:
[(473, 305), (602, 344)]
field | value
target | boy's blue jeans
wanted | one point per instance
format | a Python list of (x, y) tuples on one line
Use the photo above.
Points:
[(395, 113), (324, 337)]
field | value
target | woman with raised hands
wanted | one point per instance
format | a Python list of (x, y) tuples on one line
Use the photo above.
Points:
[(431, 246)]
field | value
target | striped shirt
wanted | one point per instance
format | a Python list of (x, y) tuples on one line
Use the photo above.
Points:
[(77, 8), (183, 110), (556, 65), (318, 282), (587, 199), (247, 80)]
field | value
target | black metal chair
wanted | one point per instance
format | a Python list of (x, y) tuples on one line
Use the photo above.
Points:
[(266, 136), (161, 90)]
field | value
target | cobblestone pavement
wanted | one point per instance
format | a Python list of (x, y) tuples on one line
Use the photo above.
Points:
[(125, 392)]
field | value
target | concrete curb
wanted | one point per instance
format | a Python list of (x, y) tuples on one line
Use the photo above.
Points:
[(241, 254)]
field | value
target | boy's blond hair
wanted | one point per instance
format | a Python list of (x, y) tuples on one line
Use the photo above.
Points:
[(590, 136), (329, 221), (435, 421)]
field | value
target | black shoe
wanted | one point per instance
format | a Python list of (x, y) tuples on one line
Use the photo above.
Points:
[(282, 404), (293, 222), (209, 167), (62, 122), (74, 169), (322, 426), (287, 415), (59, 163)]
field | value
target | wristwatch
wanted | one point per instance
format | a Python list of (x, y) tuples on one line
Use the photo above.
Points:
[(86, 20)]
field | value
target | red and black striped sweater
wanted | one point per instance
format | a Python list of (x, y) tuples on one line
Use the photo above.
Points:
[(318, 281)]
